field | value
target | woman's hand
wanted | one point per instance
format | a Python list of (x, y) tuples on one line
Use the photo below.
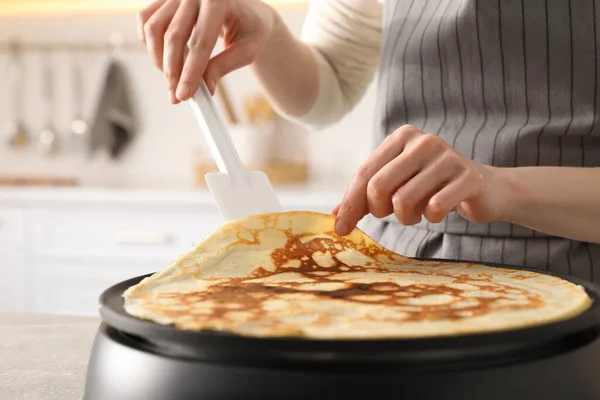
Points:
[(412, 174), (166, 26)]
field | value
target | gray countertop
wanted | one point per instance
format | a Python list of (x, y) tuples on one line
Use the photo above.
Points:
[(44, 356)]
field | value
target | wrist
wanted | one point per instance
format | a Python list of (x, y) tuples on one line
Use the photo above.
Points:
[(514, 195), (277, 29)]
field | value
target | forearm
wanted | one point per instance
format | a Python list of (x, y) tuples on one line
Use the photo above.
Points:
[(317, 79), (560, 201), (287, 71)]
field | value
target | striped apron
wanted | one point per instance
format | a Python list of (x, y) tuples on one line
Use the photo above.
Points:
[(508, 83)]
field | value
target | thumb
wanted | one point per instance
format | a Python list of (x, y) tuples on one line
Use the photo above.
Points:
[(236, 56), (336, 209)]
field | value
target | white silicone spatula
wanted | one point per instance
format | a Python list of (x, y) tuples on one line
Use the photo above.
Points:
[(238, 192)]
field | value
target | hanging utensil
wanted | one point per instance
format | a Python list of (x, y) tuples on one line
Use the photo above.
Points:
[(79, 127), (15, 131), (48, 140)]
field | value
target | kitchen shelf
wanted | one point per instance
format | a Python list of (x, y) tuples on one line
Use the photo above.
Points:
[(48, 7)]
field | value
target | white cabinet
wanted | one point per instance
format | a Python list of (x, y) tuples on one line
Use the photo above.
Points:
[(72, 286), (79, 252), (126, 232), (14, 288)]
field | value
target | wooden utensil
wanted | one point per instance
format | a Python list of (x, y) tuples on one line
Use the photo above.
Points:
[(224, 96)]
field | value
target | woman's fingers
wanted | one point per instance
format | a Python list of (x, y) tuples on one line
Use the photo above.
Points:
[(237, 55), (385, 183), (175, 41), (413, 174), (210, 21), (335, 210), (411, 199), (181, 36), (144, 15), (155, 28), (354, 206), (467, 186), (166, 26)]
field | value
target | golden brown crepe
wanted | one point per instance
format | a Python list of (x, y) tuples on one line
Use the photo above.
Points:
[(289, 274)]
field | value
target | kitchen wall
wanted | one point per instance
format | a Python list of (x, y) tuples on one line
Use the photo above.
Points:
[(161, 155)]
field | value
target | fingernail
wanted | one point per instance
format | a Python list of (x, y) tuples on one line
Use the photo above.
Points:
[(172, 97), (183, 91), (341, 228)]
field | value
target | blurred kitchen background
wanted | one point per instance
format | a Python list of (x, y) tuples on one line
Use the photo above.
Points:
[(74, 221), (64, 35)]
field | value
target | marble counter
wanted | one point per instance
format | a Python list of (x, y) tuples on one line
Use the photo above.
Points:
[(44, 356)]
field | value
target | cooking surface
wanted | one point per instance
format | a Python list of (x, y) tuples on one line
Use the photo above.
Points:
[(44, 356), (114, 314)]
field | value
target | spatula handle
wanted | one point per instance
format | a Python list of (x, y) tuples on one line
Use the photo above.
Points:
[(216, 135)]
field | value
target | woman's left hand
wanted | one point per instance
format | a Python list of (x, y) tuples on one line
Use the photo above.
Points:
[(413, 174)]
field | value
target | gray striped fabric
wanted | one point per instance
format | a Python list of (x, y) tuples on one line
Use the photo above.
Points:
[(508, 83)]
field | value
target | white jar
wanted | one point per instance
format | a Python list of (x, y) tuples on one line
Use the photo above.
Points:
[(254, 143)]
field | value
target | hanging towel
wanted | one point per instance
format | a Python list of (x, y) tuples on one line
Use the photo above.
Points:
[(114, 125)]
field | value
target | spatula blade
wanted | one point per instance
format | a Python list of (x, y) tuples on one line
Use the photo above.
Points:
[(241, 200)]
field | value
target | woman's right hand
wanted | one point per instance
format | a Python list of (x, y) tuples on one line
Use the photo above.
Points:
[(166, 26)]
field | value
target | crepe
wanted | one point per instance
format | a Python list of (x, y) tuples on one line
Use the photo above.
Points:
[(290, 274)]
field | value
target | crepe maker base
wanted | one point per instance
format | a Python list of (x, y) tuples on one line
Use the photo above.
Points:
[(133, 359)]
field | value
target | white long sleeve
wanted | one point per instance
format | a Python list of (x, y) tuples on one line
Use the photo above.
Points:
[(345, 36)]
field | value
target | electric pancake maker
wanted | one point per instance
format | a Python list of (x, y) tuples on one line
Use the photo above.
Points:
[(133, 359)]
